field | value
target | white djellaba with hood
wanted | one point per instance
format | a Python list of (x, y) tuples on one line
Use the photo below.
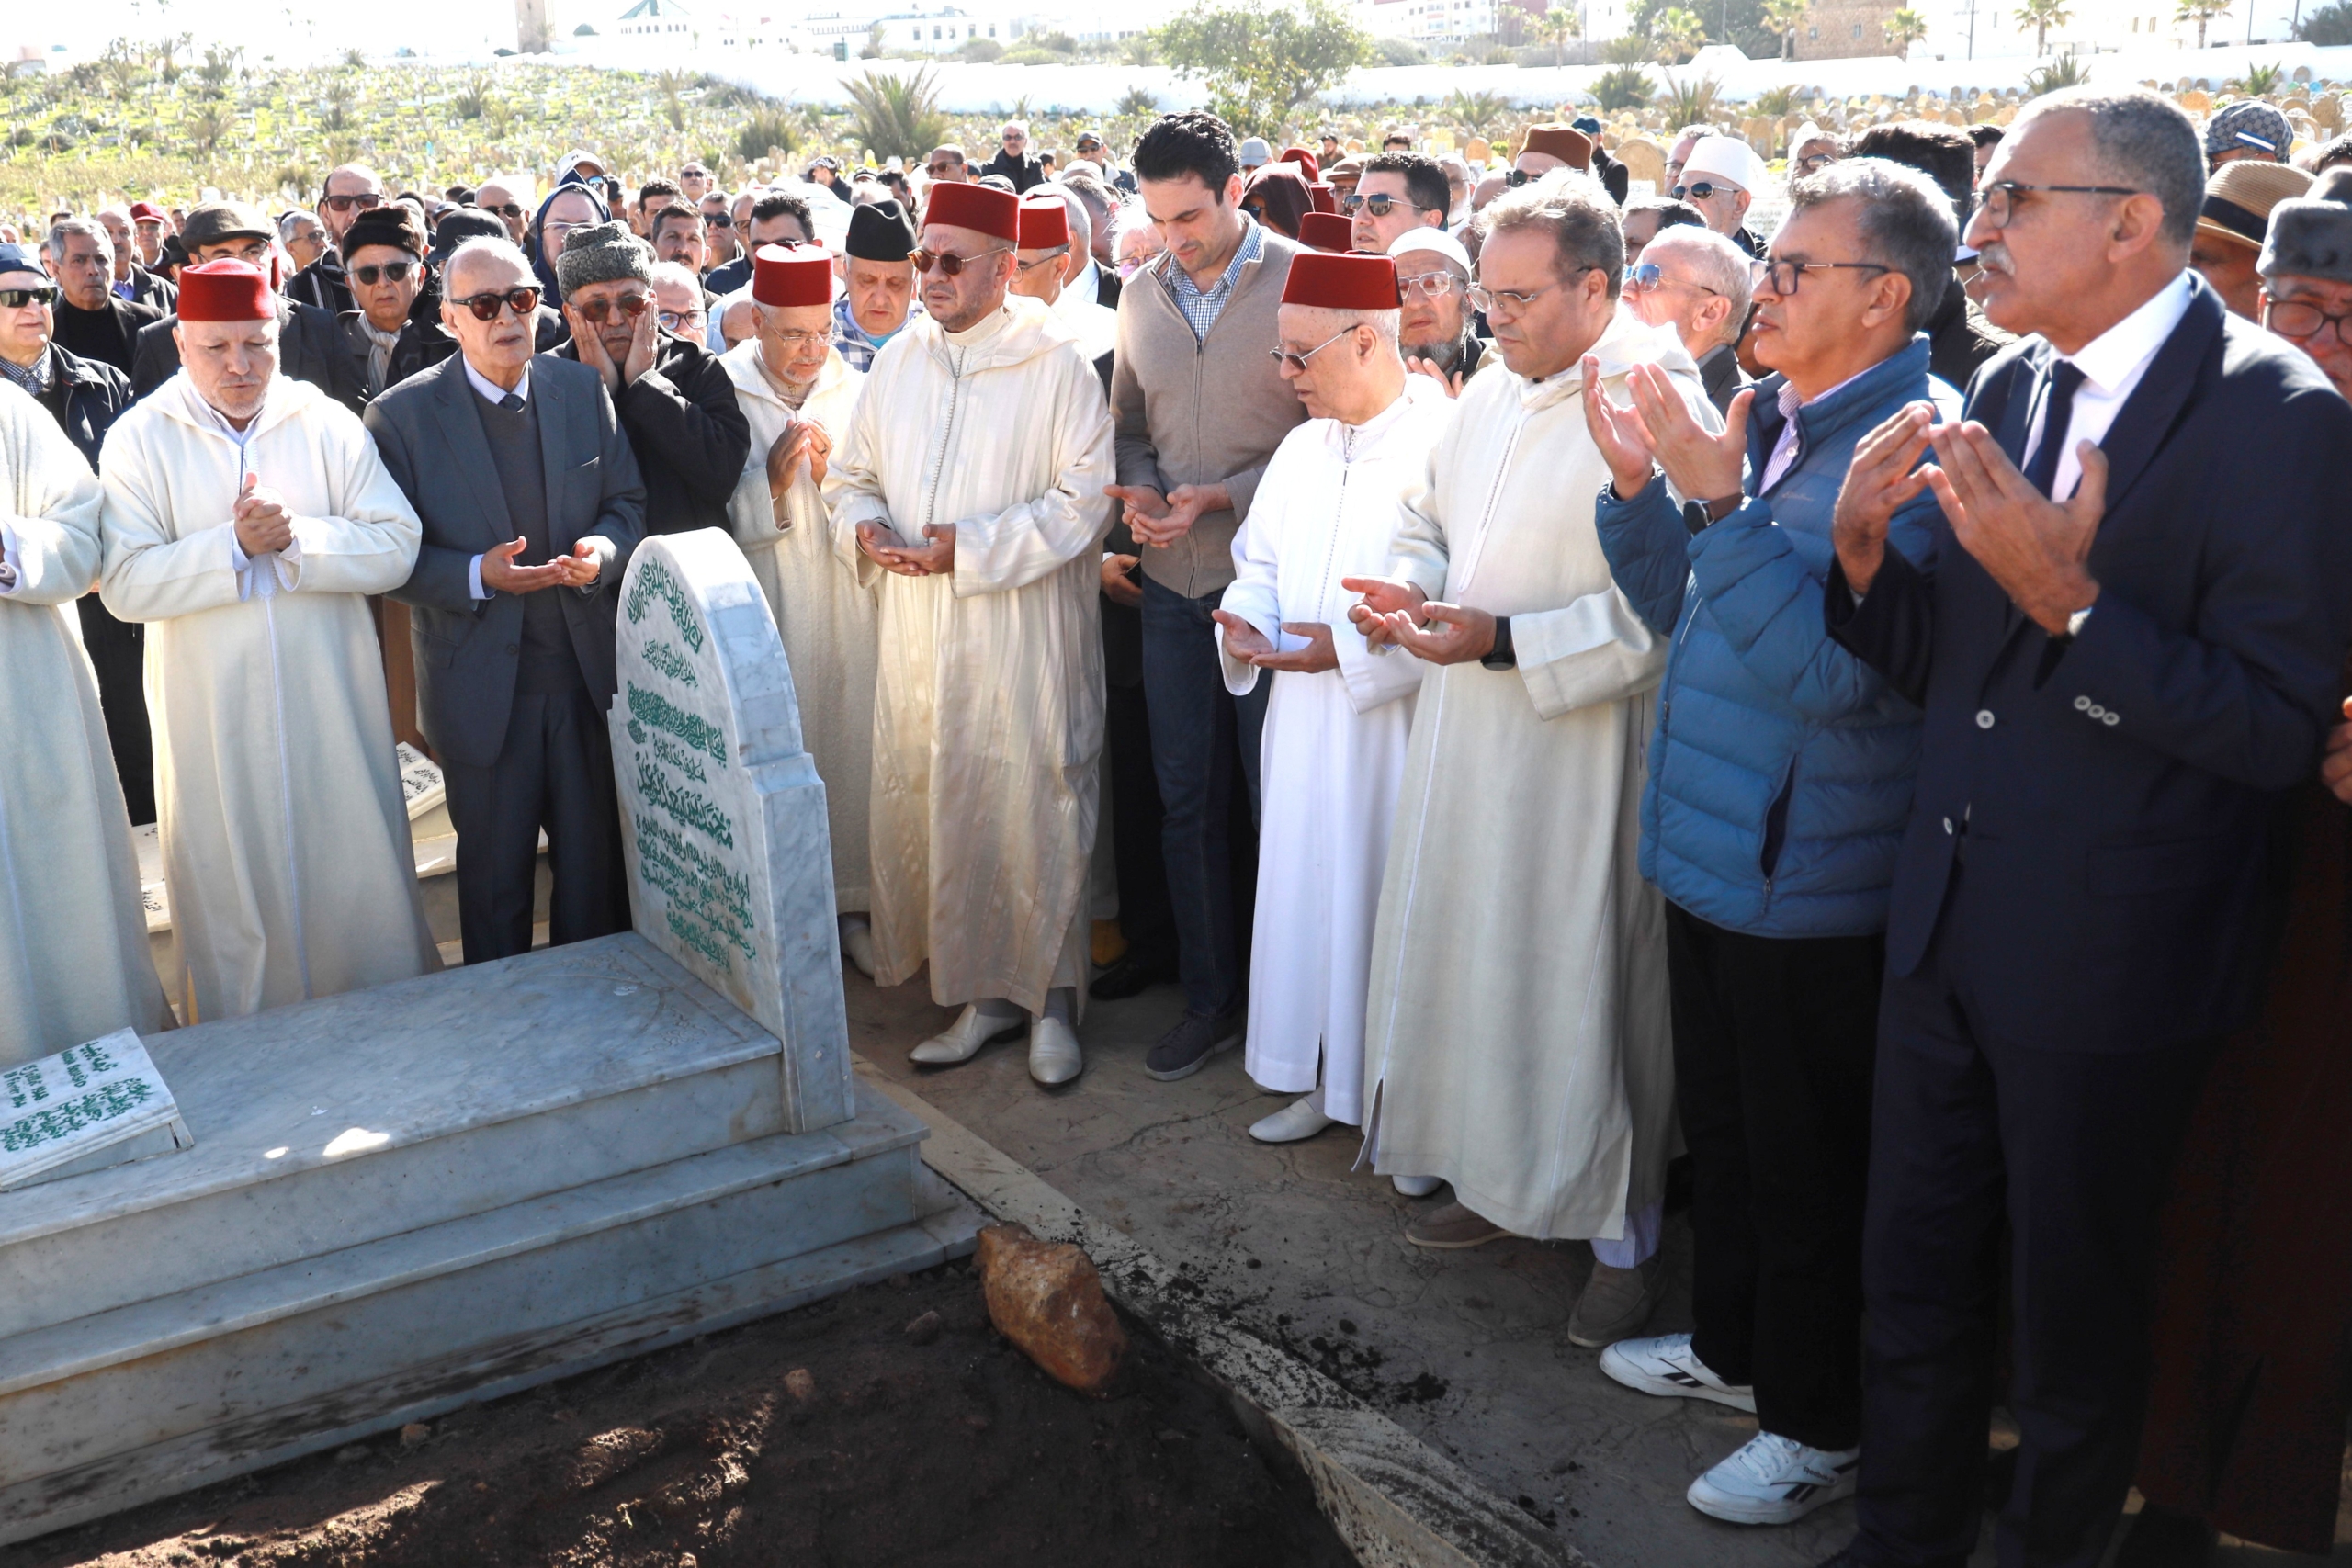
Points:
[(286, 841), (73, 955)]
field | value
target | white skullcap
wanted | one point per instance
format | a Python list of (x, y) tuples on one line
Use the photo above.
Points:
[(1726, 158), (1428, 238)]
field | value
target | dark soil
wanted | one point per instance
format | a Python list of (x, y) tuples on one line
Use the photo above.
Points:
[(902, 1455)]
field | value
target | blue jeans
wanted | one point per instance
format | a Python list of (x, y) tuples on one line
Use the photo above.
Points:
[(1198, 729)]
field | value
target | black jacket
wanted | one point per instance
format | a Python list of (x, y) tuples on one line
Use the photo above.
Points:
[(2112, 796), (1960, 340), (153, 289), (309, 348), (419, 347), (467, 650), (1720, 376), (84, 397), (108, 334), (690, 438), (1024, 171), (324, 282)]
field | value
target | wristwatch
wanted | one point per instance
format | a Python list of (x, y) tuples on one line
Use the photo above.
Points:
[(1698, 514), (1502, 656)]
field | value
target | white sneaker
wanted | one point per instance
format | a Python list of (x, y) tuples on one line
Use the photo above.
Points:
[(1418, 1186), (1665, 1366), (1300, 1119), (1774, 1480)]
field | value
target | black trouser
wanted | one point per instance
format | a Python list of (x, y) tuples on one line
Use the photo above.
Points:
[(1773, 1039), (556, 771), (1145, 917), (2074, 1148), (118, 659)]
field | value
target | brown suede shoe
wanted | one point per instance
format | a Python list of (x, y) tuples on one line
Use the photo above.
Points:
[(1451, 1228), (1616, 1303)]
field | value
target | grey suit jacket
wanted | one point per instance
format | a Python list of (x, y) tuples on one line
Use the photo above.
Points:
[(467, 649)]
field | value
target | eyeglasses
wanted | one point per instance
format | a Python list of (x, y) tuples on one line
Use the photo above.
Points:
[(368, 276), (719, 220), (2000, 197), (1699, 190), (800, 342), (1782, 277), (1056, 254), (17, 299), (940, 171), (484, 306), (1817, 162), (2293, 317), (1517, 177), (506, 209), (1433, 285), (364, 201), (1493, 300), (1013, 136), (1298, 361), (600, 310), (948, 262), (1647, 276), (1379, 206), (683, 321)]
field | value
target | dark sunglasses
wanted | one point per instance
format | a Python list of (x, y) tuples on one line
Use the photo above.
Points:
[(485, 305), (397, 271), (1517, 177), (17, 298), (508, 210), (1379, 206), (1698, 191), (345, 203), (600, 310), (951, 265), (719, 221)]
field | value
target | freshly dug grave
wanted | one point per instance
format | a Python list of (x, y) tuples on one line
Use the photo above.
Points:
[(827, 1438)]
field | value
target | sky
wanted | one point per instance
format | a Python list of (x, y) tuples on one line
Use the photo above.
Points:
[(292, 30)]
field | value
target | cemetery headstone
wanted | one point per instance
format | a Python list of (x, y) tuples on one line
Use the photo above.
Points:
[(730, 863), (89, 1106)]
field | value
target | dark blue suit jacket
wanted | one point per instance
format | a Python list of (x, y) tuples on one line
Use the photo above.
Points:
[(467, 649), (2111, 798)]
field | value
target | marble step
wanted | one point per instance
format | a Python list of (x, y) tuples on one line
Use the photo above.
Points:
[(134, 1402), (363, 1116)]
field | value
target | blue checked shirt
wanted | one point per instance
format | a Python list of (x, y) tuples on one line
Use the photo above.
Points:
[(1201, 310), (856, 346)]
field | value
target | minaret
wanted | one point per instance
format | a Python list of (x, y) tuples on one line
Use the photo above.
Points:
[(531, 27)]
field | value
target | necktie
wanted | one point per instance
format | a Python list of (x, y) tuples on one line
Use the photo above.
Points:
[(2058, 413), (511, 402)]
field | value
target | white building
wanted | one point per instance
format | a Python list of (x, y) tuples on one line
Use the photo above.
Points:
[(1986, 30)]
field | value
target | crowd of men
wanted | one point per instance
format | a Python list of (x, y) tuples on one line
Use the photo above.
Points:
[(1863, 706)]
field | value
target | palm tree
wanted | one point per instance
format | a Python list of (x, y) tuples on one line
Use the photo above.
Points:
[(2044, 14), (2201, 12), (897, 116), (1678, 34), (1556, 27), (1784, 17), (1905, 29)]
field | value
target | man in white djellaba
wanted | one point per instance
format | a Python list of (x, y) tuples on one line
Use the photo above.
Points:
[(797, 391), (73, 962), (1340, 718), (974, 476), (1516, 1038), (247, 518)]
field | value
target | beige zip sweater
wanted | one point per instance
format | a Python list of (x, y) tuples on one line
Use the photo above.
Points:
[(1207, 411)]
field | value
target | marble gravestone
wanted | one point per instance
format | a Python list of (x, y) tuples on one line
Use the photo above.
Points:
[(730, 861)]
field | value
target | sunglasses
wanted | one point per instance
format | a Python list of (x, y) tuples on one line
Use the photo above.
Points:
[(1700, 191), (17, 299), (939, 171), (345, 203), (1517, 177), (1297, 360), (1643, 276), (1378, 206), (599, 311), (719, 221), (522, 302), (369, 275), (949, 263), (509, 209)]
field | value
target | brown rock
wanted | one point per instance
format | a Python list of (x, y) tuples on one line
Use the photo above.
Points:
[(414, 1435), (800, 1384), (1048, 1299), (924, 1329)]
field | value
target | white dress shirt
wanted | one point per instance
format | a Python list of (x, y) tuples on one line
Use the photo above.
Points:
[(492, 392), (2111, 364)]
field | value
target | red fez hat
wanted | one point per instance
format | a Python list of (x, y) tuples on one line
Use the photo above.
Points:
[(1321, 197), (1303, 159), (146, 212), (225, 291), (1326, 232), (800, 276), (984, 208), (1351, 282), (1044, 224), (1566, 142)]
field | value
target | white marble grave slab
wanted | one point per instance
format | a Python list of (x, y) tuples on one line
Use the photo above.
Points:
[(730, 864), (98, 1103)]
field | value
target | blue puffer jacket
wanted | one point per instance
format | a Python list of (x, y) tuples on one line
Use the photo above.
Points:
[(1779, 774)]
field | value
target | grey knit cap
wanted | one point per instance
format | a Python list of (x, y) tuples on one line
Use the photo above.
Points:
[(2249, 125), (2312, 236), (600, 254)]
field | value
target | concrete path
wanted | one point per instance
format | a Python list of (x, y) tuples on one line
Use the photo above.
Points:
[(1468, 1350)]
